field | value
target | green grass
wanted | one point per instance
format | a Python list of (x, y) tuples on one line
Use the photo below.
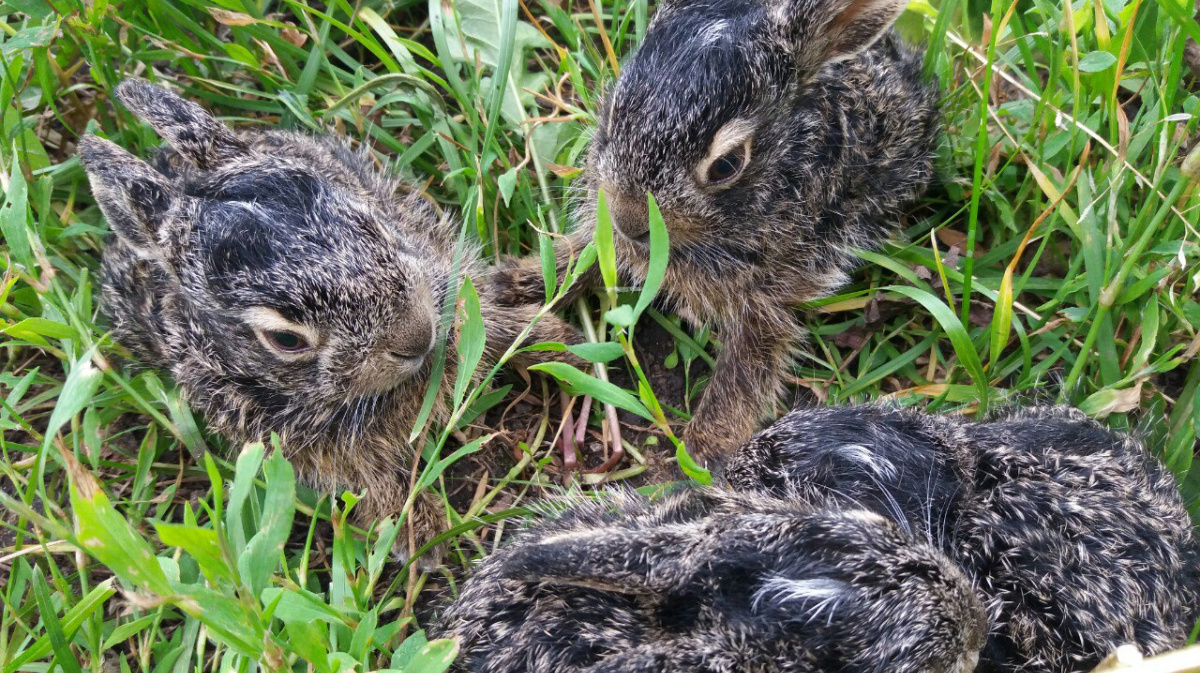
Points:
[(1057, 258)]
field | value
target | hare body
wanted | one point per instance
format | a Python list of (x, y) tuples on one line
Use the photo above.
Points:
[(287, 286), (1076, 538), (710, 580), (775, 138)]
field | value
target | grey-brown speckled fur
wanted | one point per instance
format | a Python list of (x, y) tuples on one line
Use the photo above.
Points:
[(839, 128), (1076, 538), (856, 539), (231, 238), (712, 580)]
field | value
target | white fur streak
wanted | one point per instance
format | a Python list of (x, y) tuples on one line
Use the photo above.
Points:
[(822, 593)]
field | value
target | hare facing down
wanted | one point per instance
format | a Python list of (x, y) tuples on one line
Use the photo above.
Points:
[(711, 580), (776, 136), (287, 286), (1076, 539)]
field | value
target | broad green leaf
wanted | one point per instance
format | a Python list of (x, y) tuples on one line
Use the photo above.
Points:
[(104, 534), (229, 621), (507, 182), (434, 657), (491, 30), (621, 316), (76, 393), (266, 547), (299, 606), (576, 382), (1096, 61), (606, 351), (202, 545), (308, 640), (245, 471)]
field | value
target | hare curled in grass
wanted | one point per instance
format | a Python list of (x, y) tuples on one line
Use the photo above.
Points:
[(712, 580), (1076, 539), (288, 286), (856, 539), (776, 136)]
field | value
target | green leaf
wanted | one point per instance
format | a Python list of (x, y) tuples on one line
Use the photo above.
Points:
[(266, 547), (202, 545), (434, 657), (229, 621), (104, 534), (968, 357), (576, 382), (507, 182), (126, 631), (90, 604), (300, 606), (77, 392), (660, 252), (434, 470), (59, 640), (25, 40), (33, 329), (549, 264), (606, 255), (470, 340), (1096, 61), (408, 650), (621, 316), (606, 351), (491, 34), (308, 641), (690, 467), (244, 473)]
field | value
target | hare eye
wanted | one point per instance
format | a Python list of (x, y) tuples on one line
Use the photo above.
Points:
[(287, 342), (726, 167)]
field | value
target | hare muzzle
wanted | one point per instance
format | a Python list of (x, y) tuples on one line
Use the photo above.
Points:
[(630, 217)]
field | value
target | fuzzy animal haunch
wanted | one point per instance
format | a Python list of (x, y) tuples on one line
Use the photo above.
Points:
[(776, 137), (1076, 538), (716, 581), (287, 286)]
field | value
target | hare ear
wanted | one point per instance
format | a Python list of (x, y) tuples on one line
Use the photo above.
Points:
[(134, 197), (195, 134), (827, 31)]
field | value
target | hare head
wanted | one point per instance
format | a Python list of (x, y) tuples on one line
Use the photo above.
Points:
[(707, 112), (278, 275)]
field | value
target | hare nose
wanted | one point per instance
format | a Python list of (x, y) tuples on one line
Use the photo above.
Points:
[(630, 217), (412, 342)]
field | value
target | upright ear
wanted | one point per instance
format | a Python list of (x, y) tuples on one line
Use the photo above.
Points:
[(826, 31), (134, 197), (195, 134)]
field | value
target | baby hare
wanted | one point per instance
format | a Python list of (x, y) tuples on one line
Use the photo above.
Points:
[(857, 539), (776, 136), (287, 286), (1076, 539), (711, 580)]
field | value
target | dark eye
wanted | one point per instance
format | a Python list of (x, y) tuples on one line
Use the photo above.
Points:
[(288, 342), (726, 167)]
